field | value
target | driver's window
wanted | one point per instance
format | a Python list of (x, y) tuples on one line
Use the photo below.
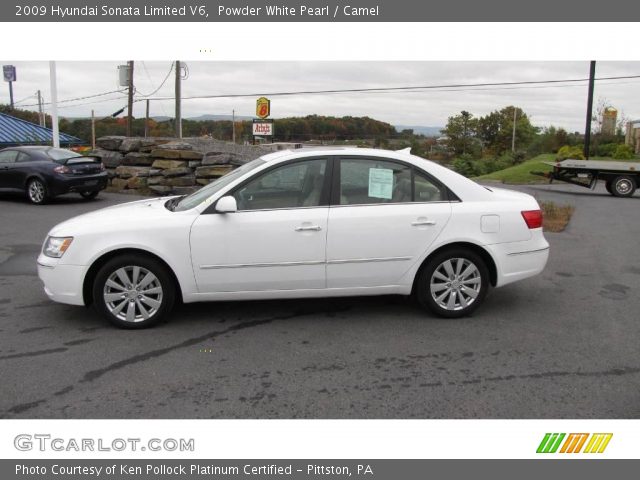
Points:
[(8, 156), (294, 185)]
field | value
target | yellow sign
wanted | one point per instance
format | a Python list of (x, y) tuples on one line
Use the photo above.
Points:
[(263, 107)]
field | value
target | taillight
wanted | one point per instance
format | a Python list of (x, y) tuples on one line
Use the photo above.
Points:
[(533, 218), (62, 169)]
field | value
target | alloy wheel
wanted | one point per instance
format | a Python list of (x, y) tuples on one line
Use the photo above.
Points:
[(36, 191), (132, 294), (455, 284)]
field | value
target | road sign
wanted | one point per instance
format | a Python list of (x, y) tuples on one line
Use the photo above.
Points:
[(263, 107), (9, 73), (263, 128)]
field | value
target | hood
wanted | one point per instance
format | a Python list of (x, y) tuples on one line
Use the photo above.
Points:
[(135, 213)]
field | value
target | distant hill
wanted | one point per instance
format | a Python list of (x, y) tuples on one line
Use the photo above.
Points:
[(421, 130), (205, 118)]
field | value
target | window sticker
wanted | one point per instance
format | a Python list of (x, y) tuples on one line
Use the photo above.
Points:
[(381, 183)]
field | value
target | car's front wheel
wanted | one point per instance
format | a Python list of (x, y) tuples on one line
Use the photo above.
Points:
[(37, 191), (453, 283), (134, 291)]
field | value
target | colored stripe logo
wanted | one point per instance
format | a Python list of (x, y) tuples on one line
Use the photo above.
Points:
[(574, 443)]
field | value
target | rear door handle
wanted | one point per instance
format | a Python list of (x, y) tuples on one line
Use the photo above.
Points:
[(421, 223), (308, 228)]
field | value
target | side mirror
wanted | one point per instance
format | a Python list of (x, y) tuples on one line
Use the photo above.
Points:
[(227, 204)]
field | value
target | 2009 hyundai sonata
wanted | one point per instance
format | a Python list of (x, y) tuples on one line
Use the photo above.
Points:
[(300, 224)]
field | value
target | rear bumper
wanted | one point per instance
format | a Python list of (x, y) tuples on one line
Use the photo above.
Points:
[(519, 260), (61, 184), (62, 283)]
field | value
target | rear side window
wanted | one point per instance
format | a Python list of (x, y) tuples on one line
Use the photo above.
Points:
[(426, 190), (24, 157), (369, 181)]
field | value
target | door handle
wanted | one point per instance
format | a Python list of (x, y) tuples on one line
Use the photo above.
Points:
[(309, 228), (421, 223)]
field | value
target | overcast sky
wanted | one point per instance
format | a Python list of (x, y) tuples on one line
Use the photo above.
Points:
[(548, 105)]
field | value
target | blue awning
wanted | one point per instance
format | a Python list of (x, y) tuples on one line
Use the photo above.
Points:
[(14, 131)]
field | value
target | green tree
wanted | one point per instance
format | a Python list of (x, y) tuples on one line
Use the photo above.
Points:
[(496, 130), (461, 130)]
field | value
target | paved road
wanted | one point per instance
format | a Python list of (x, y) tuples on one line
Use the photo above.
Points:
[(563, 344)]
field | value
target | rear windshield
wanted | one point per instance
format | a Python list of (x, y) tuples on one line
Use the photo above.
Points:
[(61, 154)]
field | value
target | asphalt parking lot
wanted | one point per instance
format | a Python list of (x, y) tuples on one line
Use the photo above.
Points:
[(562, 345)]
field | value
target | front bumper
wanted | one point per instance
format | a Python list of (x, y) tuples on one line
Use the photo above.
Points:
[(62, 184), (62, 283)]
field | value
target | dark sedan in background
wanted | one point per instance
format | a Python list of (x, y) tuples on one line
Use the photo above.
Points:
[(43, 172)]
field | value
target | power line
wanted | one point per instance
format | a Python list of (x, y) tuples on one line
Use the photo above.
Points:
[(161, 84), (78, 98), (407, 88)]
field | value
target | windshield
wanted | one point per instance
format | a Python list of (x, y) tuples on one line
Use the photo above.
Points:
[(201, 195), (61, 154)]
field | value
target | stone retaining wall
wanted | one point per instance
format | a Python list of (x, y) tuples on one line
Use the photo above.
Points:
[(166, 166)]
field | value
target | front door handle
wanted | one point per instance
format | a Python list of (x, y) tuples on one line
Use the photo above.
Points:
[(422, 223), (308, 228)]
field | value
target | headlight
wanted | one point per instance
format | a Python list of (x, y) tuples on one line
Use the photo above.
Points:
[(56, 246)]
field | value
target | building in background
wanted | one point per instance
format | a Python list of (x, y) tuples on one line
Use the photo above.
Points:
[(609, 121), (633, 135), (15, 131)]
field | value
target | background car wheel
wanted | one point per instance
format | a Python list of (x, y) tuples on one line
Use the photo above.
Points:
[(134, 291), (89, 195), (607, 185), (454, 283), (623, 186), (37, 191)]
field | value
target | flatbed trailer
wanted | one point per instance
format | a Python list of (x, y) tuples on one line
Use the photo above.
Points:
[(621, 178)]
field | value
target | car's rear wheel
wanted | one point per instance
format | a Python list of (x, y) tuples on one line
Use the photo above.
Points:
[(89, 195), (623, 186), (37, 191), (134, 291), (453, 283)]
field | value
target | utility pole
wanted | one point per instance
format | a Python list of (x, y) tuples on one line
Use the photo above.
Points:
[(587, 130), (233, 125), (40, 112), (130, 102), (178, 100), (54, 104), (146, 121), (513, 136), (93, 130), (9, 74)]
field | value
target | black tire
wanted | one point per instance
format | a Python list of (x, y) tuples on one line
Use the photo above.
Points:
[(607, 185), (89, 195), (37, 192), (157, 305), (623, 186), (462, 288)]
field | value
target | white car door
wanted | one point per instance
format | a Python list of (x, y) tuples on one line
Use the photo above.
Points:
[(275, 241), (383, 219)]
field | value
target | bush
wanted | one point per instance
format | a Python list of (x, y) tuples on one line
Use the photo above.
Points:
[(606, 149), (464, 166), (570, 152), (623, 152)]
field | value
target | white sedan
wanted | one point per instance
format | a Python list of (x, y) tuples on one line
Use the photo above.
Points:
[(321, 223)]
